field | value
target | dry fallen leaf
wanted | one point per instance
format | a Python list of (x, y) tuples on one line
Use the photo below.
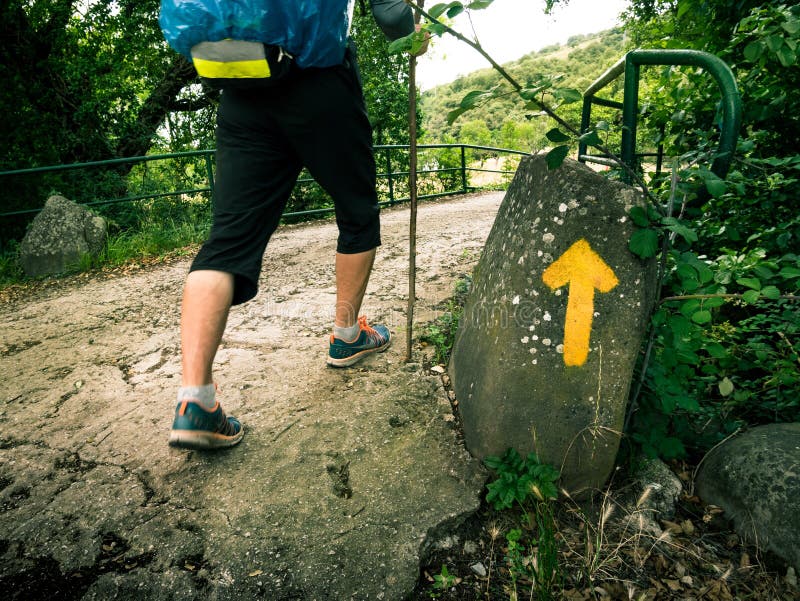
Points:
[(673, 585)]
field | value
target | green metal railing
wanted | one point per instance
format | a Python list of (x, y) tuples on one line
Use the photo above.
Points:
[(384, 157), (630, 65), (6, 177)]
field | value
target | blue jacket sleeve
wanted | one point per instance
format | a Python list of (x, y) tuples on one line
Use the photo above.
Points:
[(394, 17)]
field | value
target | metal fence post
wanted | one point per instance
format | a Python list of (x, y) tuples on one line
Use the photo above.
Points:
[(210, 174), (463, 169), (389, 175), (630, 109)]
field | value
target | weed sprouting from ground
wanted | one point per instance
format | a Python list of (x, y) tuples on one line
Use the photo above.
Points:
[(441, 333)]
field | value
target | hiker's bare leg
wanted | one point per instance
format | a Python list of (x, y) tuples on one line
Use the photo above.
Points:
[(352, 276), (207, 298)]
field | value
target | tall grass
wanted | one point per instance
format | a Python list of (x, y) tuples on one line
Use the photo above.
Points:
[(152, 240)]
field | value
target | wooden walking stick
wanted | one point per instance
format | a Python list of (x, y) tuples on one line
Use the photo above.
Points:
[(412, 193)]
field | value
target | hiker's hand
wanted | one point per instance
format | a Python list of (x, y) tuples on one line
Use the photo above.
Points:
[(421, 51)]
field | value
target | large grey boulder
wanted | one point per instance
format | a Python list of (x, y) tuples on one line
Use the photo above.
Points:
[(546, 348), (58, 237), (755, 478)]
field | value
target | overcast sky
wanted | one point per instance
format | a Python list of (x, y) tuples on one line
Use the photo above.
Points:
[(509, 29)]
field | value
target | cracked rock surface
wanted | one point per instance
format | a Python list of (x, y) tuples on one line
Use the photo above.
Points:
[(343, 478)]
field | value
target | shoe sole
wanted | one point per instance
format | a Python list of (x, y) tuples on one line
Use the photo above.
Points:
[(348, 361), (202, 441)]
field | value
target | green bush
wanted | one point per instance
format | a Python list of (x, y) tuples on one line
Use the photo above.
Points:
[(722, 353)]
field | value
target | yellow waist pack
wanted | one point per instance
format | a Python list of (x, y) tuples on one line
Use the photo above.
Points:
[(241, 64)]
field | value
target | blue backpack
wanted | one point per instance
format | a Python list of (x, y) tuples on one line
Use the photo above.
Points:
[(256, 41)]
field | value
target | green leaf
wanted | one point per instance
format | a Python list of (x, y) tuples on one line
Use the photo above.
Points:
[(473, 97), (556, 156), (436, 29), (455, 114), (644, 243), (753, 51), (716, 350), (771, 292), (751, 296), (671, 448), (703, 271), (774, 42), (602, 126), (701, 317), (753, 283), (652, 213), (715, 186), (639, 216), (713, 303), (568, 95), (791, 26), (688, 403), (479, 4), (689, 307), (725, 386), (786, 56), (532, 94), (591, 138), (403, 44), (455, 10), (437, 10), (687, 272), (764, 272), (557, 136), (690, 284), (789, 272), (688, 357), (679, 325), (493, 462), (668, 403), (684, 232)]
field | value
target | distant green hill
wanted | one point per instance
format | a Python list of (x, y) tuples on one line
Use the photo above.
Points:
[(505, 121)]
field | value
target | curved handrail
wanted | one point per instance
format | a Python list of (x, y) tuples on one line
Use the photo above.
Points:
[(630, 63)]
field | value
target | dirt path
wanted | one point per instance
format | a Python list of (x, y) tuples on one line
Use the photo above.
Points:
[(343, 478)]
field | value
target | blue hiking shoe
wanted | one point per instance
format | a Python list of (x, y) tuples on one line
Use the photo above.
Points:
[(369, 340), (196, 427)]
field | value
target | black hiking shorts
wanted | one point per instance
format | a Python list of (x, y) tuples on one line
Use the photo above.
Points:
[(316, 118)]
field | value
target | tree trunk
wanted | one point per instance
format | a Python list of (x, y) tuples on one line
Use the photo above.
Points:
[(154, 110)]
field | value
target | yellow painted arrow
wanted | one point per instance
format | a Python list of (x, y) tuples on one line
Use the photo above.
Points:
[(585, 272)]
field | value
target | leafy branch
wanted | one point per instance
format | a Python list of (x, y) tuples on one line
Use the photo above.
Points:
[(743, 296), (414, 42)]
